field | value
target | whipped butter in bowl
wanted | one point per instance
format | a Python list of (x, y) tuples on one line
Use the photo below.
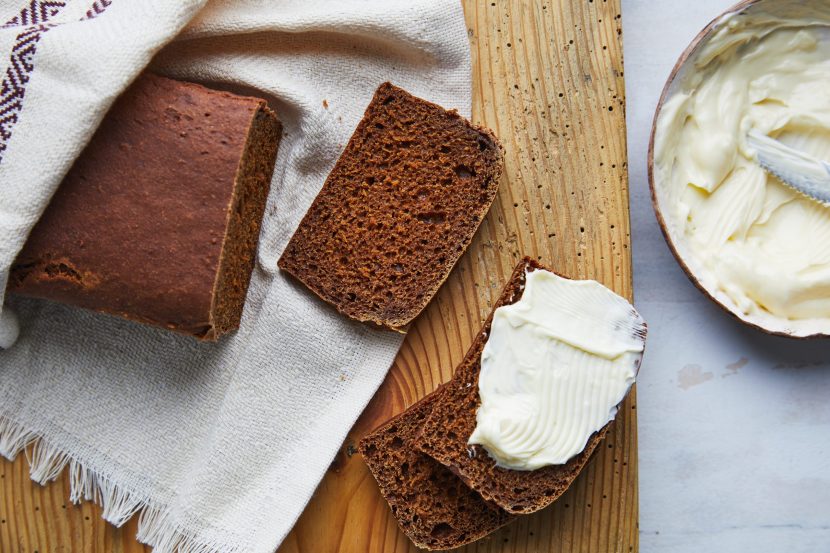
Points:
[(555, 366), (754, 245)]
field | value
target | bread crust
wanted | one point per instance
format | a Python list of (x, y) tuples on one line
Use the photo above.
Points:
[(158, 219)]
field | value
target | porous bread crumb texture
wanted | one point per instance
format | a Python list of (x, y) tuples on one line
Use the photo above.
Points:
[(434, 507), (397, 211), (239, 246), (451, 422)]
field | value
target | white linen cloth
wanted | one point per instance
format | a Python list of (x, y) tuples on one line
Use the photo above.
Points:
[(217, 446)]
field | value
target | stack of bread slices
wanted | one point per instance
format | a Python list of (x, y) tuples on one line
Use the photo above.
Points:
[(397, 211), (444, 492)]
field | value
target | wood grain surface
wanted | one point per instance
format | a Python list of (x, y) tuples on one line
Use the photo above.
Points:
[(548, 79)]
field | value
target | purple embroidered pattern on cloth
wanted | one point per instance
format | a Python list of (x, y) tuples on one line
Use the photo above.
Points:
[(36, 12), (33, 18), (97, 8), (34, 21)]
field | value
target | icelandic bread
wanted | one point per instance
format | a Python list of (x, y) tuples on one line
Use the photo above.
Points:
[(397, 211), (452, 419), (158, 219), (434, 507)]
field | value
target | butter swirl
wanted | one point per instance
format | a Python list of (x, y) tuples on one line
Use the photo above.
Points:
[(759, 247), (554, 368)]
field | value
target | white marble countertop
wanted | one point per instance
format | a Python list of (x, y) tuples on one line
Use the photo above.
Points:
[(734, 425)]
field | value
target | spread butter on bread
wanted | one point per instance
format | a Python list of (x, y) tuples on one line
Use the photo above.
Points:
[(447, 430)]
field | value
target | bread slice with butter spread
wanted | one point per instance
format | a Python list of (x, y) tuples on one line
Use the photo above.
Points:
[(445, 433)]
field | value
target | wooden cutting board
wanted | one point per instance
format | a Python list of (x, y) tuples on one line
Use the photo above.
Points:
[(548, 79)]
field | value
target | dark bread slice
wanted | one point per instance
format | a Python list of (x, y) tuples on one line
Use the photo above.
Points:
[(158, 219), (434, 507), (452, 420), (397, 211)]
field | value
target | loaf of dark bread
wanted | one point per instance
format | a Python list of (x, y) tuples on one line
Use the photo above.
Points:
[(158, 220), (434, 508), (445, 432), (397, 211)]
